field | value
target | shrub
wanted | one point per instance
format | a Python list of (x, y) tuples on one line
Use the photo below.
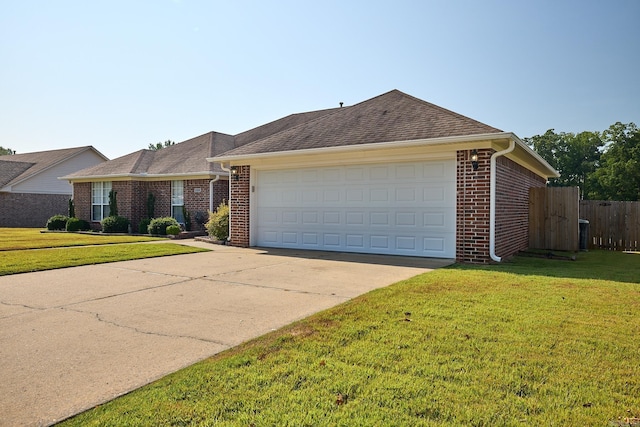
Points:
[(113, 203), (72, 209), (143, 226), (57, 222), (76, 224), (159, 225), (187, 218), (173, 230), (218, 224), (201, 218), (151, 205), (115, 224)]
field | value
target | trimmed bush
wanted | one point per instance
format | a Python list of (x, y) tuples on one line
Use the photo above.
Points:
[(159, 225), (76, 224), (115, 224), (57, 222), (173, 230), (143, 227), (218, 224)]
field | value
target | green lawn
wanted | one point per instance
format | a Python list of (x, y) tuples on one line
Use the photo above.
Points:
[(523, 343), (26, 250), (32, 238)]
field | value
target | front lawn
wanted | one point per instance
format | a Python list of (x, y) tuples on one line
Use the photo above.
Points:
[(25, 261), (32, 238), (528, 342)]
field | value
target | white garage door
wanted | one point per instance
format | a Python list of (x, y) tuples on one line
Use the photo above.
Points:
[(397, 208)]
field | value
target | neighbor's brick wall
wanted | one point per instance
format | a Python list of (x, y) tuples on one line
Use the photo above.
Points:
[(512, 206), (31, 210), (239, 208), (473, 207)]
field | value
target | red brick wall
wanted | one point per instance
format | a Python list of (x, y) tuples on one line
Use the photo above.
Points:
[(239, 207), (473, 207), (132, 199), (31, 210), (82, 202), (512, 206)]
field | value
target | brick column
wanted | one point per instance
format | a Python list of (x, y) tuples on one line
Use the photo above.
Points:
[(239, 207), (473, 207)]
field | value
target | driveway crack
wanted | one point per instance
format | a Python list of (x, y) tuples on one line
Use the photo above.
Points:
[(141, 331)]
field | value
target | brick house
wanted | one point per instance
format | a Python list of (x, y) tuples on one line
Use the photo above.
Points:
[(178, 176), (30, 193), (390, 175)]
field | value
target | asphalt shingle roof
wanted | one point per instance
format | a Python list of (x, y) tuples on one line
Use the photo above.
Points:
[(188, 157), (393, 116)]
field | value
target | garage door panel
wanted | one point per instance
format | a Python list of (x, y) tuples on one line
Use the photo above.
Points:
[(405, 208)]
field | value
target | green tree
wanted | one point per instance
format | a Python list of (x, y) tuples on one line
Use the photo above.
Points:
[(575, 157), (6, 151), (161, 145), (618, 177)]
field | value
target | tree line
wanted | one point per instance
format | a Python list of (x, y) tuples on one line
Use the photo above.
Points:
[(605, 165)]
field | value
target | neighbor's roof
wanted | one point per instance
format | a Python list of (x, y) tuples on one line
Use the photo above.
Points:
[(393, 116), (188, 158), (15, 168)]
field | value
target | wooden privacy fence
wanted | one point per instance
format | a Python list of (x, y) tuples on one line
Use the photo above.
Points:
[(553, 218), (612, 225)]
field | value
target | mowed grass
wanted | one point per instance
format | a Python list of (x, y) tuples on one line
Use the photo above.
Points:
[(529, 342), (18, 253), (32, 238)]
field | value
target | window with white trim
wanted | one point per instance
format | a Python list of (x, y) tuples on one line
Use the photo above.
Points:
[(177, 200), (100, 200)]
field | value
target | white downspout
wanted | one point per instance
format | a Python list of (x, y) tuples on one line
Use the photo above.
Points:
[(217, 178), (228, 171), (492, 205)]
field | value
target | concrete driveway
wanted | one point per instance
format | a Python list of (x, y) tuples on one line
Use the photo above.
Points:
[(74, 338)]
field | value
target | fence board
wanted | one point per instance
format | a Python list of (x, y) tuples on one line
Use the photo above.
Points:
[(612, 225), (553, 218)]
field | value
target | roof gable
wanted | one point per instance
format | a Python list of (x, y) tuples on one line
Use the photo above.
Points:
[(393, 116)]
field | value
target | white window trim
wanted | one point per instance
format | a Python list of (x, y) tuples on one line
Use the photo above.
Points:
[(175, 202), (104, 200)]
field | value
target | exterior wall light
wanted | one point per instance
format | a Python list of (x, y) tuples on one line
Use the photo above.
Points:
[(474, 159), (235, 172)]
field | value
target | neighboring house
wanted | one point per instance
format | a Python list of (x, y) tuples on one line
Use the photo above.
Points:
[(30, 192), (391, 175)]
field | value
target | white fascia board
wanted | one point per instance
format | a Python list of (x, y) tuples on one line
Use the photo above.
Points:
[(543, 167), (142, 176), (371, 146)]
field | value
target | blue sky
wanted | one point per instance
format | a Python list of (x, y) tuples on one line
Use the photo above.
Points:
[(120, 75)]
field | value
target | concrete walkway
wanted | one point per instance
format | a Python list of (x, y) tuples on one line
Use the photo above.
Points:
[(74, 338)]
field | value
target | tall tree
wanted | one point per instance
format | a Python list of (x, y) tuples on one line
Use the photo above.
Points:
[(575, 157), (618, 177), (160, 145), (5, 151)]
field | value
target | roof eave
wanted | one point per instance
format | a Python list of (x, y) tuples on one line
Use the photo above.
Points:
[(496, 136), (143, 176)]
